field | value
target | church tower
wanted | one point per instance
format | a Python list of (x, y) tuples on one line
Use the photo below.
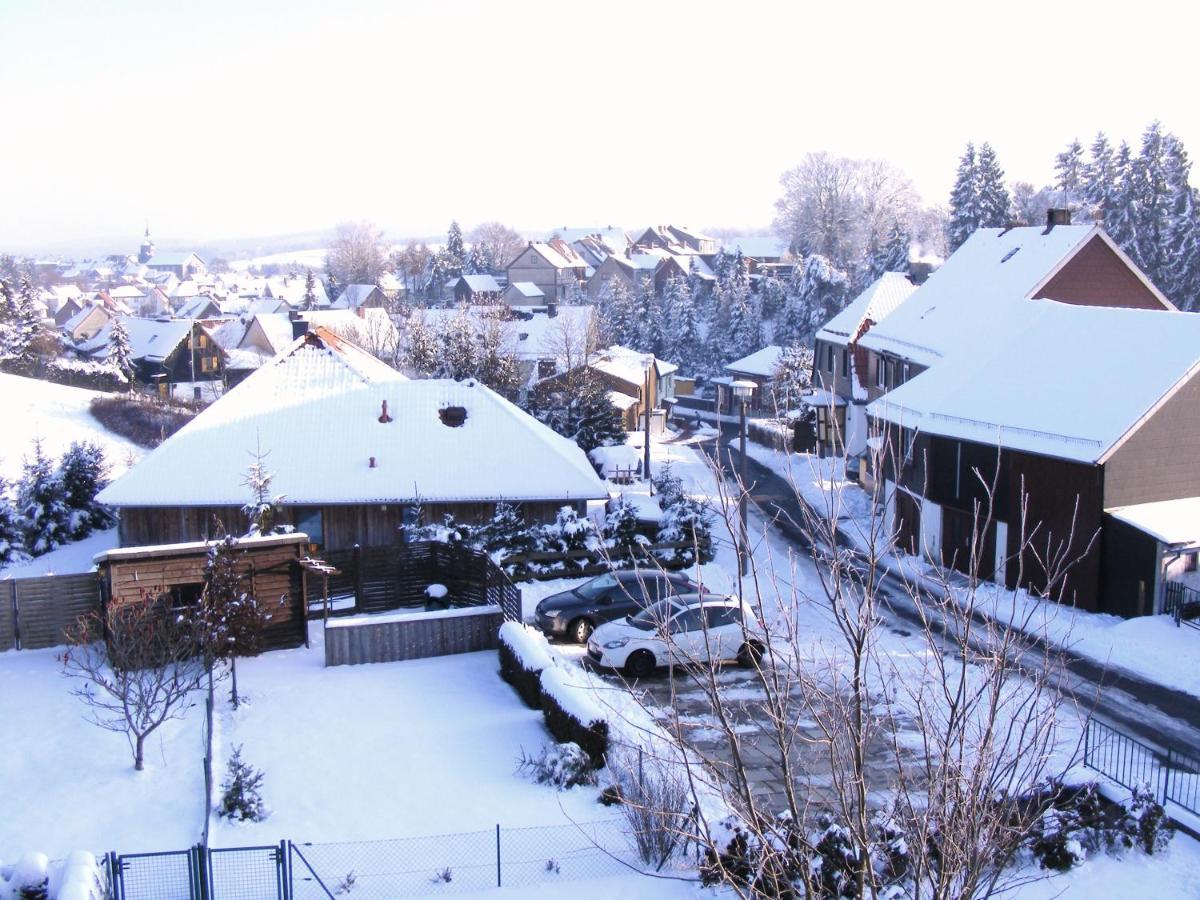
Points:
[(146, 253)]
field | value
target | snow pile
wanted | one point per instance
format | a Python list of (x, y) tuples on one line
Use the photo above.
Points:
[(75, 878)]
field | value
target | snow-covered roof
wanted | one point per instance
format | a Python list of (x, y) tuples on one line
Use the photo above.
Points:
[(621, 401), (276, 329), (974, 291), (877, 301), (559, 254), (1054, 381), (354, 296), (1174, 522), (481, 283), (762, 362), (527, 289), (318, 419), (80, 317), (629, 365), (149, 339), (197, 307), (165, 258)]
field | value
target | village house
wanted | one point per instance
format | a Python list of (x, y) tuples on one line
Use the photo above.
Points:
[(474, 289), (553, 266), (354, 296), (630, 272), (676, 239), (165, 352), (637, 382), (184, 266), (523, 293), (356, 451), (996, 395), (758, 367)]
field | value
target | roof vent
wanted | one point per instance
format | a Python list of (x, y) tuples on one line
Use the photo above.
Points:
[(370, 462), (384, 418), (1009, 255), (453, 416)]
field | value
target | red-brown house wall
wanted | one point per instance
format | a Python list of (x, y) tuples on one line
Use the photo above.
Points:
[(1096, 276)]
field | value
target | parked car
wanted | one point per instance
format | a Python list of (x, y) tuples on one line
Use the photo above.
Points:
[(692, 628), (575, 613)]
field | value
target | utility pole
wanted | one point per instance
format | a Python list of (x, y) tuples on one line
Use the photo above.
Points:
[(646, 419)]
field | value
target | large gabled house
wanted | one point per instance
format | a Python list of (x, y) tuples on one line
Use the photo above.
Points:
[(1036, 388), (165, 352), (357, 296), (355, 450), (553, 266), (183, 266)]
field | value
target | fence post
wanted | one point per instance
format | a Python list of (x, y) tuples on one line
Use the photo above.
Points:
[(358, 578), (115, 891), (16, 618), (1087, 734), (1166, 779), (283, 872), (497, 854)]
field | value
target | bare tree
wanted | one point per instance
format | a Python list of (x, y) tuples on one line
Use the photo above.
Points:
[(143, 674), (412, 262), (499, 243), (913, 764), (357, 254)]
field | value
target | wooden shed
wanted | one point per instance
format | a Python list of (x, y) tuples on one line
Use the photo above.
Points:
[(270, 565)]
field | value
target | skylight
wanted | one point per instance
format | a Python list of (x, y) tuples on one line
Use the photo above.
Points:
[(1010, 254)]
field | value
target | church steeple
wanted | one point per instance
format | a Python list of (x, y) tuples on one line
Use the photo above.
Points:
[(146, 252)]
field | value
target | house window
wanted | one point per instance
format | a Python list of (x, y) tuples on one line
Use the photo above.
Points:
[(846, 362), (829, 357), (308, 521), (204, 364), (880, 372), (906, 445)]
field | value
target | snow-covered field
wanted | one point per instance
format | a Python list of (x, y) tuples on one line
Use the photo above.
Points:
[(301, 259), (57, 415)]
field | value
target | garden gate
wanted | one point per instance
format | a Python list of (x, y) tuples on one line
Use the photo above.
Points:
[(234, 873)]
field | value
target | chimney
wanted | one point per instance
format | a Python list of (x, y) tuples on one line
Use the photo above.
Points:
[(299, 326), (370, 462), (384, 418), (551, 309), (1057, 217)]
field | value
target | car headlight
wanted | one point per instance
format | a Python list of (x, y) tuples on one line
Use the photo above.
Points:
[(551, 613), (617, 644)]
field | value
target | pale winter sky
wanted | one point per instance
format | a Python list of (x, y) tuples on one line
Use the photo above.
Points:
[(225, 119)]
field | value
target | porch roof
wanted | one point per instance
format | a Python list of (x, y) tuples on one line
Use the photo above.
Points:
[(1174, 522)]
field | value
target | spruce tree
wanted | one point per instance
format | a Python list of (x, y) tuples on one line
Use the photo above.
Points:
[(454, 253), (120, 354), (964, 201), (579, 409), (1070, 172), (684, 343), (310, 291), (12, 539), (83, 472), (816, 293), (41, 505), (1100, 179), (22, 324), (1121, 215), (649, 332), (772, 293), (1181, 268), (619, 313), (1151, 204), (994, 202)]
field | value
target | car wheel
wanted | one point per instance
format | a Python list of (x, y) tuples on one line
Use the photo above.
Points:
[(750, 655), (640, 664), (580, 630)]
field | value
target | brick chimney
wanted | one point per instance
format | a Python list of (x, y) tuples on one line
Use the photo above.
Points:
[(1057, 217)]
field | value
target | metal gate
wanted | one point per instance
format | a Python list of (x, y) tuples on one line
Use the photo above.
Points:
[(233, 873)]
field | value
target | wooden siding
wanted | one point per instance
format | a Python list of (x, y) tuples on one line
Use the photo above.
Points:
[(416, 637), (271, 574), (1158, 461), (1129, 569), (1096, 276)]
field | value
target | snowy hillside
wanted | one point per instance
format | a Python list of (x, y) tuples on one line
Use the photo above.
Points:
[(58, 415), (304, 259)]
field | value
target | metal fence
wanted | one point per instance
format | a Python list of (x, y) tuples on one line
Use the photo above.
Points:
[(1182, 603), (1173, 775), (380, 870)]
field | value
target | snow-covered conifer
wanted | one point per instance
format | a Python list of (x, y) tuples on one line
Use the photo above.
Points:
[(994, 202), (964, 200), (120, 354), (12, 539), (41, 505), (84, 473), (309, 301)]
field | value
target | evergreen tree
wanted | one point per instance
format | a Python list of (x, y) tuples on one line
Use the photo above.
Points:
[(333, 287), (964, 201), (1151, 204), (1100, 179), (793, 376), (649, 333), (310, 291), (891, 255), (231, 618), (478, 261), (684, 344), (12, 539), (20, 326), (1120, 217), (42, 507), (120, 354), (83, 472), (771, 293), (261, 508), (506, 534), (994, 202), (1181, 268), (1070, 172), (451, 260), (619, 313), (241, 798), (816, 293), (578, 408)]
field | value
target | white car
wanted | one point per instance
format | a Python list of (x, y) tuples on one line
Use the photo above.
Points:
[(692, 628)]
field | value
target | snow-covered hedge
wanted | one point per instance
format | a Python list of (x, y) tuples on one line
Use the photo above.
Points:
[(571, 712), (99, 376), (75, 878), (524, 654)]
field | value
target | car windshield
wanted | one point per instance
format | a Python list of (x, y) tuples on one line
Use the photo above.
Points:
[(596, 586), (652, 616)]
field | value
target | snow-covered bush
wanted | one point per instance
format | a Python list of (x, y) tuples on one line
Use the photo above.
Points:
[(524, 654), (572, 715), (687, 520), (42, 505), (563, 766), (1145, 823), (241, 800), (621, 535), (98, 376), (34, 877)]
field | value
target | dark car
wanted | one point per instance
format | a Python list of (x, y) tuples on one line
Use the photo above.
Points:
[(574, 614)]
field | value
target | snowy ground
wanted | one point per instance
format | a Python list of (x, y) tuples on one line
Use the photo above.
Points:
[(1152, 647), (57, 415)]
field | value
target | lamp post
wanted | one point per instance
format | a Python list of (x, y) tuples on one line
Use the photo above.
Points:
[(742, 390)]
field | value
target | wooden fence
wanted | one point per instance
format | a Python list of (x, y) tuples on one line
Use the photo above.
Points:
[(390, 638), (35, 611)]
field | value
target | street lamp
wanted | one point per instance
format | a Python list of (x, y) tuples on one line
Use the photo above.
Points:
[(742, 390)]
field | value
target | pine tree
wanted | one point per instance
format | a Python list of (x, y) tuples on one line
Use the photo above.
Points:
[(241, 800), (120, 355), (649, 333), (684, 343), (1151, 204), (816, 293), (619, 313), (22, 324), (964, 201), (260, 510), (453, 255), (83, 472), (793, 375), (310, 291), (995, 204), (771, 293), (42, 506), (1070, 172), (578, 408), (1181, 268), (12, 538)]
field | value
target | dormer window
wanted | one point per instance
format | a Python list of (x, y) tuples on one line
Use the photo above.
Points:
[(453, 416)]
